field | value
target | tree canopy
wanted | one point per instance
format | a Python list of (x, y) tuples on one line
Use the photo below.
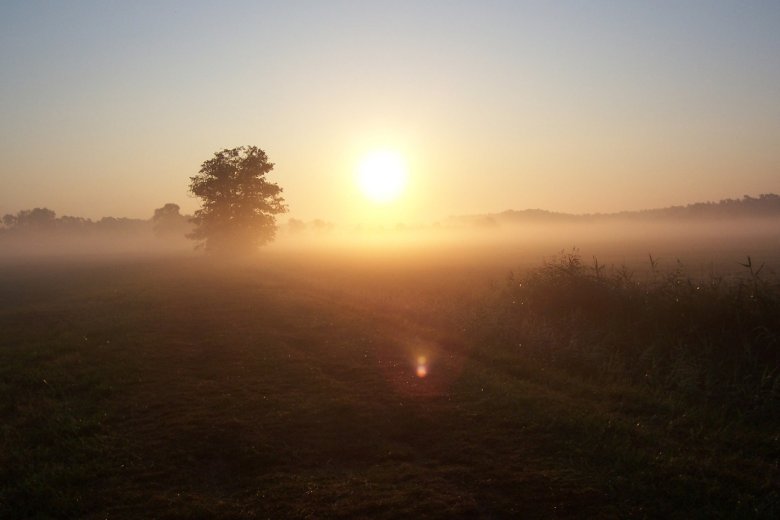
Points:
[(168, 222), (38, 218), (238, 203)]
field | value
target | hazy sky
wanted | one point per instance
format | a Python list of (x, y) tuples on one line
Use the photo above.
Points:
[(107, 108)]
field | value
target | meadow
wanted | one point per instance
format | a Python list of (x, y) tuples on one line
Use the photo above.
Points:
[(389, 384)]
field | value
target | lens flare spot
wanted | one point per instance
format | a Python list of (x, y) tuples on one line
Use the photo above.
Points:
[(422, 366)]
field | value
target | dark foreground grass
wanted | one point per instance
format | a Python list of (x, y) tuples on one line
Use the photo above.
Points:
[(181, 389)]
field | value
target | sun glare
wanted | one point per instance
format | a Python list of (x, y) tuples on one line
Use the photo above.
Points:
[(382, 176)]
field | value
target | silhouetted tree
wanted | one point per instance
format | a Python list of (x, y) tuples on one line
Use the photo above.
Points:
[(73, 224), (34, 219), (9, 220), (168, 222), (296, 226), (321, 226), (239, 204), (122, 226)]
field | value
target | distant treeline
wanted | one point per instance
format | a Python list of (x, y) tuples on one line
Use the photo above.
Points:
[(763, 206), (166, 221)]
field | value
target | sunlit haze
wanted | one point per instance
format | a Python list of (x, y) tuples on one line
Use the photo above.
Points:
[(108, 108)]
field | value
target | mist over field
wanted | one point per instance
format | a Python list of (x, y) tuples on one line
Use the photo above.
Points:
[(708, 244), (613, 242)]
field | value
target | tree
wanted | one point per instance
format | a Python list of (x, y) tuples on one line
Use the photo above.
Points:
[(167, 222), (32, 219), (239, 204), (9, 220), (296, 226)]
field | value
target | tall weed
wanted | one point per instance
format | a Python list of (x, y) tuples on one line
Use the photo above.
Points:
[(709, 340)]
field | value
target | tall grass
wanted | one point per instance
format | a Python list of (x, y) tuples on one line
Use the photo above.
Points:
[(712, 340)]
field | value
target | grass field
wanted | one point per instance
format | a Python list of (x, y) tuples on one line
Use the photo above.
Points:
[(180, 388)]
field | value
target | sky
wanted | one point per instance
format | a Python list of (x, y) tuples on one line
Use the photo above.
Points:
[(107, 108)]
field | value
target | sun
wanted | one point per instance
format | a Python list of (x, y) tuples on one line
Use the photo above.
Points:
[(382, 176)]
